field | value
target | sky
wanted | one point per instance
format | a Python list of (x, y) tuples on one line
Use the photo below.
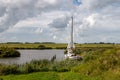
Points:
[(50, 20)]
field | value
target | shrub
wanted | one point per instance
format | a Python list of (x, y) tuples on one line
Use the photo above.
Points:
[(8, 69), (64, 66), (65, 52), (77, 51), (43, 47), (60, 48), (8, 52)]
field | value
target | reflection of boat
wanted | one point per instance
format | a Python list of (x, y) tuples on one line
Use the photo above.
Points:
[(70, 54)]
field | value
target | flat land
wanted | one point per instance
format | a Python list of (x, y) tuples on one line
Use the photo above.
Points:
[(100, 62), (55, 46)]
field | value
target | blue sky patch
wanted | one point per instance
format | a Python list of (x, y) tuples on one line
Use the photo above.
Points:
[(77, 2)]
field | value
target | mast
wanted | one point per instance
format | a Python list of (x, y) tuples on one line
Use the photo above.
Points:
[(72, 33), (71, 46)]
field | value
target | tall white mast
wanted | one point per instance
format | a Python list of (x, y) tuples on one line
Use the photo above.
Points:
[(72, 32), (71, 44)]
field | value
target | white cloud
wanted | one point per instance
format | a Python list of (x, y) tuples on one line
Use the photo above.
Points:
[(90, 20), (38, 30), (35, 18), (59, 23), (51, 1), (54, 37), (98, 4), (17, 10)]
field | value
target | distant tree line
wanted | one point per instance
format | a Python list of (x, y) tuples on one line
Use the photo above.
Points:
[(40, 43), (14, 42), (30, 43), (100, 43), (55, 43)]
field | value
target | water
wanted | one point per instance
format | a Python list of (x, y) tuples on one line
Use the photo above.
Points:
[(28, 55)]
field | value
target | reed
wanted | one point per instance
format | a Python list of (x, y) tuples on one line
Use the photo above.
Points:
[(38, 66)]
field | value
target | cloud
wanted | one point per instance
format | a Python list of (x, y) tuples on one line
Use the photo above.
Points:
[(59, 23), (98, 4), (13, 11), (89, 21), (92, 18), (54, 37), (98, 19), (38, 30)]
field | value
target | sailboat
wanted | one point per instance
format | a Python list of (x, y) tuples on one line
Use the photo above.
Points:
[(71, 47)]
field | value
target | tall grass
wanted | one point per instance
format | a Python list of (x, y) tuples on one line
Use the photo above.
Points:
[(104, 62), (38, 66), (98, 62)]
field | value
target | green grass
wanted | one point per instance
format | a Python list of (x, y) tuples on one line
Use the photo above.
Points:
[(50, 76), (32, 46), (38, 66), (104, 62), (100, 62), (57, 46)]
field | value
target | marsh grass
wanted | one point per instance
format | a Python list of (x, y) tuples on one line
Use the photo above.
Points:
[(104, 62), (38, 66), (99, 63)]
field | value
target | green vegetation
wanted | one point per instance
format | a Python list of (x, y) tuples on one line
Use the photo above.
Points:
[(38, 65), (8, 52), (100, 62), (49, 76), (36, 45), (104, 62), (43, 47)]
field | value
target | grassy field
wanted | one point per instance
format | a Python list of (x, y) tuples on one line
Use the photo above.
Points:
[(100, 62), (56, 46), (50, 76), (32, 46)]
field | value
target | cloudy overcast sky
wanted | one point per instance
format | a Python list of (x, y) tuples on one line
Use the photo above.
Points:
[(49, 20)]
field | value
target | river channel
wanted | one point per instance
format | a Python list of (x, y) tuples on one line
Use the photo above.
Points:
[(28, 55)]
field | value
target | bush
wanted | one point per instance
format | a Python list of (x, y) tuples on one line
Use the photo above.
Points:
[(60, 48), (35, 66), (77, 51), (43, 47), (8, 52), (8, 69), (64, 66)]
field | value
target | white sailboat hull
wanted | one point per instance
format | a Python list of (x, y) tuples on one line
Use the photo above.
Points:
[(72, 56)]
